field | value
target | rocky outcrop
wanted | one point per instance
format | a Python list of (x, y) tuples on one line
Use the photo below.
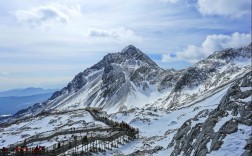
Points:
[(234, 109), (146, 152)]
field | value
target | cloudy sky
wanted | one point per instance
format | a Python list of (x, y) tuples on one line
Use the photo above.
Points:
[(45, 43)]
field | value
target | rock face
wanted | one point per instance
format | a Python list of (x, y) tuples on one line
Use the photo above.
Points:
[(131, 79), (235, 110)]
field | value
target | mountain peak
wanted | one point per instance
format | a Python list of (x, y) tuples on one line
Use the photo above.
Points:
[(129, 47), (132, 51)]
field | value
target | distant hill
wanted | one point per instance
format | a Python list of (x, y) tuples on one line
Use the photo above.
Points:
[(11, 104), (13, 100), (26, 92)]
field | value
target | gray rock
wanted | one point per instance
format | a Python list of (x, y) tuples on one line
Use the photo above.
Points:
[(202, 133)]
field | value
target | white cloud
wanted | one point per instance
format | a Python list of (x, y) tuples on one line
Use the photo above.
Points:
[(232, 8), (211, 44), (167, 57), (118, 35), (47, 15)]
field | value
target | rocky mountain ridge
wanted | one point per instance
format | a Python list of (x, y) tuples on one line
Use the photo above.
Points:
[(220, 68)]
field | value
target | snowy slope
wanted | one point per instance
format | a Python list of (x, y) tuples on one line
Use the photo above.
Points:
[(158, 126), (45, 125), (173, 132)]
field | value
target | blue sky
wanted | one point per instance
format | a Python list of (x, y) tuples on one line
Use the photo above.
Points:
[(46, 43)]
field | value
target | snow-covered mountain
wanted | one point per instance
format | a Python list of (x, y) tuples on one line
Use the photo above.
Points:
[(110, 82), (129, 78), (120, 79)]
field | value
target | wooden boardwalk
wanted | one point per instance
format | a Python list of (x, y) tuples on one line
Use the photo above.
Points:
[(116, 133), (42, 137)]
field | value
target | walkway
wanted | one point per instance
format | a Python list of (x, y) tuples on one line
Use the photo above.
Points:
[(117, 133)]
